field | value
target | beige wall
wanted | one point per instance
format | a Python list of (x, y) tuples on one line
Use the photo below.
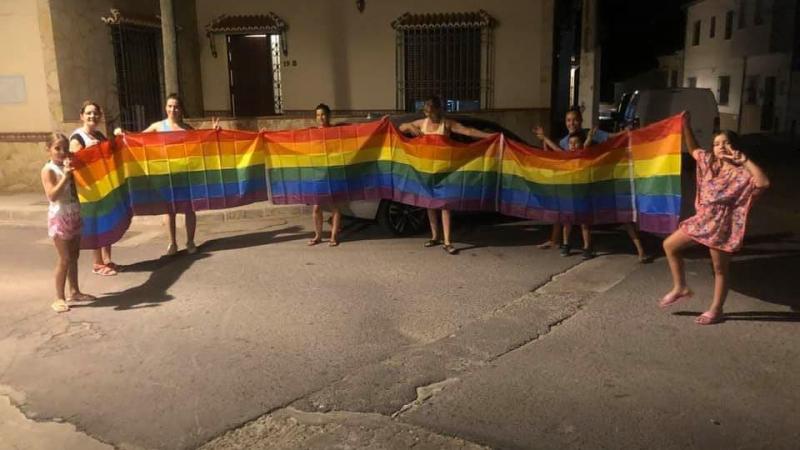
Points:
[(84, 53), (347, 59), (21, 50), (20, 164)]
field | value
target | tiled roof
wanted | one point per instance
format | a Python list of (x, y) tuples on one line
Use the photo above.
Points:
[(475, 19), (117, 17), (270, 23)]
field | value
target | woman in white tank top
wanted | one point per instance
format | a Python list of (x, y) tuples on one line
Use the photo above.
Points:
[(435, 123), (86, 136)]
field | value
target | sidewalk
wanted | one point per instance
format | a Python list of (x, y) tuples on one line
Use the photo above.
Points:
[(31, 209)]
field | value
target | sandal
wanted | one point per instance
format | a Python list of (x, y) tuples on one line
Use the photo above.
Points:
[(708, 318), (333, 244), (60, 306), (450, 249), (172, 249), (103, 270), (313, 242), (114, 266), (671, 299), (191, 248), (81, 297), (432, 243), (545, 245)]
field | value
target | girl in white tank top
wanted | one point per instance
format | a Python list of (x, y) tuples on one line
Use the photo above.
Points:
[(63, 221)]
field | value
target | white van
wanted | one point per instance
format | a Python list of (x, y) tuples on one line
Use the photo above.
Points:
[(651, 105)]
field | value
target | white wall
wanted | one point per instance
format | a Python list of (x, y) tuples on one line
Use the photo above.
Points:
[(347, 59), (746, 53)]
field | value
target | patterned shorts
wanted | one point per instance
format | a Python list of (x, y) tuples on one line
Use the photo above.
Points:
[(64, 226)]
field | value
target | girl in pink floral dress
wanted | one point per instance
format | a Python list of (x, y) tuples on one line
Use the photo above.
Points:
[(727, 182)]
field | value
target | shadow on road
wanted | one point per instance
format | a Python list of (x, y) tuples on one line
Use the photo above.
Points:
[(167, 270)]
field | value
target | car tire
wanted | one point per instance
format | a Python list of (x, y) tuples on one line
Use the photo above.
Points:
[(400, 219)]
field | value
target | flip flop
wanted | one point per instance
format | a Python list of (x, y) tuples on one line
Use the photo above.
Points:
[(671, 299), (708, 318), (431, 243), (171, 250), (646, 259), (81, 297), (313, 242), (450, 249), (59, 306), (112, 265), (103, 270), (545, 245), (333, 244)]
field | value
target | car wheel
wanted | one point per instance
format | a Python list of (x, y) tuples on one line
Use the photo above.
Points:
[(400, 219)]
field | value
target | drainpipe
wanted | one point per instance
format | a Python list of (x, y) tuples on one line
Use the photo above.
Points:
[(170, 48)]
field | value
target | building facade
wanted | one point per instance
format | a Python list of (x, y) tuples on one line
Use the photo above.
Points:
[(258, 63), (746, 52)]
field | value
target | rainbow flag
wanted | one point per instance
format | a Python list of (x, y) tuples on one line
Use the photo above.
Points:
[(633, 177), (373, 161), (159, 173)]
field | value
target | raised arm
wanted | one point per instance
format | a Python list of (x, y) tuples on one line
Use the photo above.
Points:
[(547, 143), (590, 137), (53, 188), (738, 158), (456, 127), (688, 134)]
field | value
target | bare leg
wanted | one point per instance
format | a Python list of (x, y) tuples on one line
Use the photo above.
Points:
[(565, 234), (555, 237), (316, 217), (106, 252), (586, 233), (172, 248), (191, 226), (74, 247), (433, 219), (98, 257), (721, 261), (446, 226), (672, 247), (335, 225), (62, 266), (630, 228)]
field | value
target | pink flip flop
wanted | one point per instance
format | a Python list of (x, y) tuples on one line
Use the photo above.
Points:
[(671, 299), (708, 318)]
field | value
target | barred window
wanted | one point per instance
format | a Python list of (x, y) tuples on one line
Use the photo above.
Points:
[(446, 55), (138, 61)]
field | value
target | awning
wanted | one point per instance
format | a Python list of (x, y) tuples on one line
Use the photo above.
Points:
[(117, 17), (475, 19), (262, 23)]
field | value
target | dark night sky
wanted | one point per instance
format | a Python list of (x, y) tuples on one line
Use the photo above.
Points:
[(633, 34)]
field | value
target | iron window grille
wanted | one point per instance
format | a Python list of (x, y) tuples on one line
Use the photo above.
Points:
[(446, 55), (139, 65)]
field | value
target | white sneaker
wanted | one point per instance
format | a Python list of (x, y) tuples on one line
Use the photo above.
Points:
[(172, 250), (191, 248)]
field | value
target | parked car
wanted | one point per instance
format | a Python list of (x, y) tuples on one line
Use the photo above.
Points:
[(651, 105), (405, 220), (611, 120)]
